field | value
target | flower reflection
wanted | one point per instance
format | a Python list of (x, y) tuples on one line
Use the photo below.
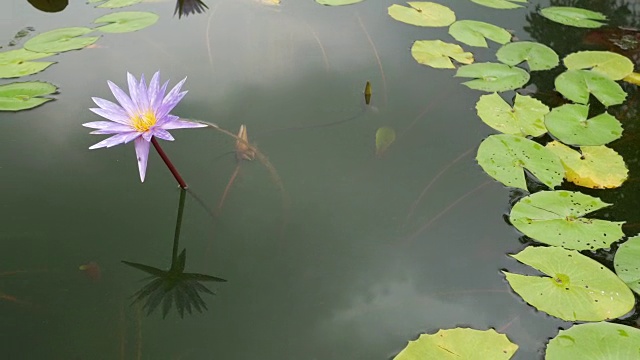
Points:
[(188, 7)]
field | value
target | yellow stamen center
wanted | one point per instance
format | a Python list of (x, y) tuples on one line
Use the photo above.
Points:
[(144, 121)]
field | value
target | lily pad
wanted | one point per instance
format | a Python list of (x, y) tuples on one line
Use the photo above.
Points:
[(24, 95), (473, 33), (627, 263), (385, 136), (595, 341), (576, 85), (459, 343), (423, 13), (633, 78), (576, 287), (574, 16), (60, 40), (438, 54), (607, 63), (126, 21), (500, 4), (555, 218), (493, 77), (596, 167), (337, 2), (112, 4), (15, 63), (524, 119), (538, 56), (569, 124)]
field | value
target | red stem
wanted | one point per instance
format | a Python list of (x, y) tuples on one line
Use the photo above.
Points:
[(166, 160)]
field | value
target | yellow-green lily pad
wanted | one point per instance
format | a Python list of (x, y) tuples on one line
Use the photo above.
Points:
[(538, 56), (385, 136), (572, 16), (501, 4), (60, 40), (24, 95), (126, 21), (576, 85), (423, 13), (475, 33), (493, 77), (569, 124), (337, 2), (15, 63), (627, 263), (438, 54), (526, 118), (113, 4), (612, 65), (595, 341)]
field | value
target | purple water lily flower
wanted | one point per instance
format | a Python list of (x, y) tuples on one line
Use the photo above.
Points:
[(188, 7), (140, 117)]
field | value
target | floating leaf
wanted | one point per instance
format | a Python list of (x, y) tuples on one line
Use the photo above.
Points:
[(569, 124), (436, 53), (504, 157), (337, 2), (500, 4), (633, 78), (576, 85), (576, 287), (538, 56), (24, 95), (627, 263), (15, 63), (385, 136), (555, 218), (596, 167), (595, 341), (112, 4), (126, 21), (493, 76), (607, 63), (459, 343), (423, 13), (574, 16), (60, 40), (524, 119), (473, 33)]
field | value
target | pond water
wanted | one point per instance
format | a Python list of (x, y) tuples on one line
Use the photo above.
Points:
[(338, 257)]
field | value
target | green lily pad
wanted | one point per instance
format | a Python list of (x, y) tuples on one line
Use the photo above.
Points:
[(385, 136), (595, 341), (126, 21), (569, 124), (538, 56), (574, 16), (607, 63), (504, 157), (500, 4), (627, 263), (337, 2), (15, 63), (524, 119), (473, 33), (459, 343), (492, 77), (113, 4), (438, 54), (60, 40), (423, 13), (24, 95), (576, 287), (576, 85), (555, 218), (596, 167)]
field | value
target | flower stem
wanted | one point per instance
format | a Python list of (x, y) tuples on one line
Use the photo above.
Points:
[(166, 160), (176, 236)]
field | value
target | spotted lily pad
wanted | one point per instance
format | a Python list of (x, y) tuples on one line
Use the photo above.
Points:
[(569, 124), (576, 85), (423, 13), (24, 95), (500, 4), (459, 343), (627, 263), (337, 2), (60, 40), (15, 63), (595, 341), (556, 218), (574, 16), (607, 63), (538, 56), (474, 33), (126, 21), (438, 54), (505, 157), (576, 287), (493, 77), (385, 136), (596, 167), (524, 119), (112, 4)]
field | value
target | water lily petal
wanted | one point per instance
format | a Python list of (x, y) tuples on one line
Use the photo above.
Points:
[(115, 140), (115, 111), (174, 122), (100, 124), (143, 96), (142, 154), (172, 99), (134, 91), (123, 99), (162, 134), (154, 87), (147, 135)]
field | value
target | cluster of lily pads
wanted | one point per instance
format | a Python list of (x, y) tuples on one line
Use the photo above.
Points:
[(574, 287), (20, 62)]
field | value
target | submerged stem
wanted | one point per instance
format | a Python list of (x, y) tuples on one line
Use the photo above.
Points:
[(176, 237), (166, 160)]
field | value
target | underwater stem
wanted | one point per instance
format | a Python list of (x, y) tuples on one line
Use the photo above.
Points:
[(166, 160), (176, 237)]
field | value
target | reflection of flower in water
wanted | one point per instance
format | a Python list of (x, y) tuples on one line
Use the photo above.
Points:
[(188, 7)]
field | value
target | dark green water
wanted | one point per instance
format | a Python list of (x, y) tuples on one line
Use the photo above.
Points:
[(349, 277)]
